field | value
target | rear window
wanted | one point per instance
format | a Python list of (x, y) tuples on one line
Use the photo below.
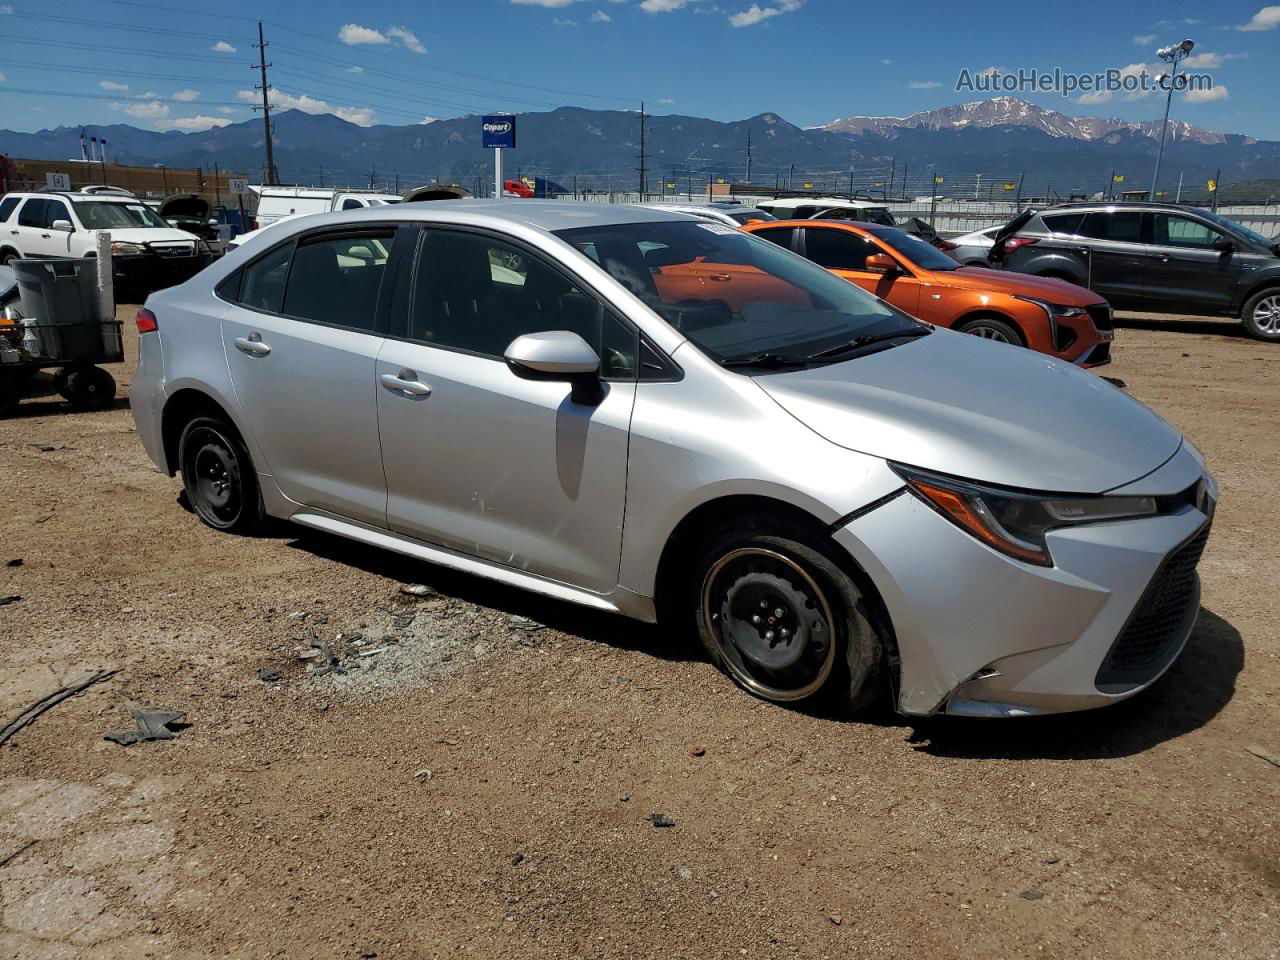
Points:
[(1118, 225), (7, 206), (1068, 223)]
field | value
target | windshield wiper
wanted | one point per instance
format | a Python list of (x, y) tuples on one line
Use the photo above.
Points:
[(858, 343), (772, 361)]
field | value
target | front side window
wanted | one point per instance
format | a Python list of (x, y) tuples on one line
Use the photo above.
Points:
[(478, 293), (263, 285), (336, 279), (918, 251), (734, 295), (108, 215), (1121, 225), (837, 249), (55, 211), (1175, 231)]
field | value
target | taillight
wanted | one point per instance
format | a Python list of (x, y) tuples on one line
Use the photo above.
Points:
[(146, 321), (253, 225), (1013, 243), (948, 245)]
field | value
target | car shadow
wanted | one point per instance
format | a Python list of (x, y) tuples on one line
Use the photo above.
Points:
[(1192, 693), (595, 626), (1202, 326)]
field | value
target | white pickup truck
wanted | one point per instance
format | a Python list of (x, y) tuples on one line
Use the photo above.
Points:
[(276, 204)]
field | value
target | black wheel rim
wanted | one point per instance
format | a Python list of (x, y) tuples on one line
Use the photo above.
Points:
[(771, 622), (213, 477)]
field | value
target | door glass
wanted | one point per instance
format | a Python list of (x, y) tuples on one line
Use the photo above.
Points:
[(479, 293), (263, 286), (336, 280), (781, 236), (1175, 231), (56, 210), (837, 249), (1068, 223), (351, 203), (1125, 226), (32, 213), (7, 206)]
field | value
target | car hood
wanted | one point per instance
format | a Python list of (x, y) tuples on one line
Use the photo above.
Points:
[(1022, 285), (190, 205), (149, 235), (985, 411)]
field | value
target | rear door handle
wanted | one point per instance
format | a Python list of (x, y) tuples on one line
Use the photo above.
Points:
[(253, 345), (406, 382)]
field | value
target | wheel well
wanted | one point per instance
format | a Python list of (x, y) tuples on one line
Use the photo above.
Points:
[(1271, 283), (991, 315), (1059, 275), (179, 410)]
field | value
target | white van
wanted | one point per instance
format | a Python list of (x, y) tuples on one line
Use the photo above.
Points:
[(279, 203), (830, 208)]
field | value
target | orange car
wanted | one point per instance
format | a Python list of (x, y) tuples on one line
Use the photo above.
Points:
[(1051, 316)]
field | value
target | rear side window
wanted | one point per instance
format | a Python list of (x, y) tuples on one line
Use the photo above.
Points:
[(7, 206), (1068, 223), (263, 284), (336, 279), (837, 249), (351, 204), (780, 235), (32, 212), (1119, 225)]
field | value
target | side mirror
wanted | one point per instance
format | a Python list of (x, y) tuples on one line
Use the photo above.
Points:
[(558, 355), (62, 225), (1223, 244), (882, 263)]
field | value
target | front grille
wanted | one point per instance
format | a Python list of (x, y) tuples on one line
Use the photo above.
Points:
[(1099, 355), (1100, 314), (174, 249), (1149, 639)]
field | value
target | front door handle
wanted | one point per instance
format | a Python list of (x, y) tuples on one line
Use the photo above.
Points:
[(406, 382), (253, 345), (44, 236), (719, 277)]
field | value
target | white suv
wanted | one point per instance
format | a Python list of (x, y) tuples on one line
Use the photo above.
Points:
[(147, 252)]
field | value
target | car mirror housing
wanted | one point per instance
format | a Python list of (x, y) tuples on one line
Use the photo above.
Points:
[(558, 355), (1223, 244), (62, 225), (882, 263)]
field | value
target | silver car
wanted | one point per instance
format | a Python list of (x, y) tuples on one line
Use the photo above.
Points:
[(654, 415)]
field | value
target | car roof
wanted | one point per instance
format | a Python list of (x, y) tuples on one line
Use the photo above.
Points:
[(548, 215), (1124, 204), (72, 195), (825, 202)]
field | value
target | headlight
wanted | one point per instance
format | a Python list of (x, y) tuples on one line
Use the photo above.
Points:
[(123, 247), (1014, 522)]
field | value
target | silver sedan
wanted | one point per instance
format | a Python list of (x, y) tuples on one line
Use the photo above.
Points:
[(654, 415)]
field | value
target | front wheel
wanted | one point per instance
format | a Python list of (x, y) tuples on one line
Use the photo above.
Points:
[(780, 616), (218, 476), (1261, 315), (991, 328)]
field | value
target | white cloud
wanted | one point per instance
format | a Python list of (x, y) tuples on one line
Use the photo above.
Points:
[(360, 116), (1210, 95), (662, 6), (601, 17), (1144, 39), (187, 95), (756, 13), (990, 71), (353, 35), (228, 110), (886, 61), (666, 101), (924, 84), (408, 38), (562, 22), (112, 85), (223, 47), (425, 120), (355, 69), (200, 122), (552, 4), (3, 78), (1268, 18), (149, 95), (1207, 60), (152, 110), (1129, 70)]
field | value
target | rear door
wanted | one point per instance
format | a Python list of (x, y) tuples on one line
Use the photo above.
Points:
[(1187, 272), (27, 230), (301, 343), (845, 253), (1118, 257)]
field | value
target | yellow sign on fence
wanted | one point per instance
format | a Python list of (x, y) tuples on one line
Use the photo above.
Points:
[(1213, 186)]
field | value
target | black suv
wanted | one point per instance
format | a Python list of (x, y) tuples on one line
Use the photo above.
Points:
[(1156, 257)]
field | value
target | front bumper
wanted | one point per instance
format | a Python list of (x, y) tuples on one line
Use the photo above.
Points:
[(981, 634), (151, 271)]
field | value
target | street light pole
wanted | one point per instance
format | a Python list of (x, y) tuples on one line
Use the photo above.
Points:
[(1170, 54)]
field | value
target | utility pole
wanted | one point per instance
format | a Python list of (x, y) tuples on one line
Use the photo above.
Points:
[(643, 118), (217, 187), (270, 177), (321, 183), (893, 168), (748, 156)]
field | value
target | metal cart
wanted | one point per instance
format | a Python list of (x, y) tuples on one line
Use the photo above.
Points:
[(74, 349)]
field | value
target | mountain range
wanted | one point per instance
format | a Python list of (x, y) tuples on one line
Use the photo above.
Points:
[(1003, 137)]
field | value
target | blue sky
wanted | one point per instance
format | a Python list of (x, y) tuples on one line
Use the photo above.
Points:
[(177, 66)]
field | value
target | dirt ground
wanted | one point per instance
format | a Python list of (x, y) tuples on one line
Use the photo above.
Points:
[(477, 779)]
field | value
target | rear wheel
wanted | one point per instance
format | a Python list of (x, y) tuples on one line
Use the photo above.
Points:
[(7, 255), (992, 328), (218, 476), (89, 388), (779, 615), (1261, 315)]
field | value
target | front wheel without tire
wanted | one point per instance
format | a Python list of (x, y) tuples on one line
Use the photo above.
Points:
[(218, 476), (990, 328), (1261, 315), (780, 617), (91, 388)]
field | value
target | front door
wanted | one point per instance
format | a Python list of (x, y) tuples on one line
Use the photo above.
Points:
[(1188, 273), (301, 344), (845, 253), (481, 461)]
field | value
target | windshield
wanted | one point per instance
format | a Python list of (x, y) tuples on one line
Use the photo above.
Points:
[(1239, 228), (105, 215), (736, 296), (746, 216), (920, 252)]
